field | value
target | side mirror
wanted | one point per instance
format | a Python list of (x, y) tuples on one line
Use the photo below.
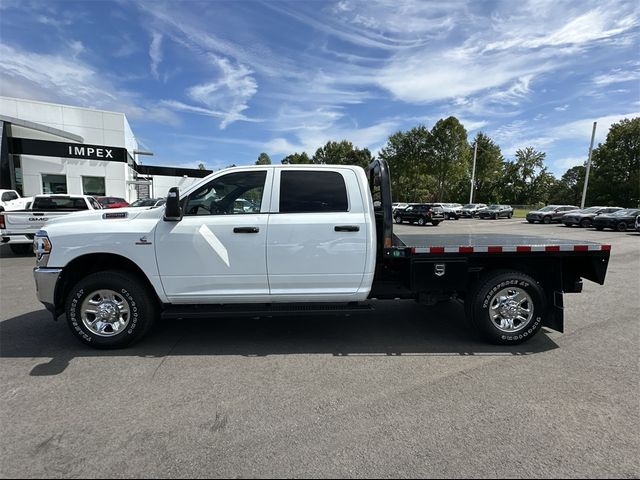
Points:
[(172, 209)]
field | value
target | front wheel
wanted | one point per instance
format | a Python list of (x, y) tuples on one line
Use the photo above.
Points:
[(111, 309), (421, 221), (398, 219), (546, 220), (621, 227), (585, 223), (506, 307)]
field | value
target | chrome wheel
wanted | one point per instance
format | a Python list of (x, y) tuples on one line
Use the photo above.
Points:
[(511, 309), (105, 313)]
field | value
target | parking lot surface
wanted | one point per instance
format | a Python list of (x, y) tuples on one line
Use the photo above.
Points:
[(406, 391)]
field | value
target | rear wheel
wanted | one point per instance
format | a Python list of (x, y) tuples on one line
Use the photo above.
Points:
[(111, 309), (546, 220), (21, 248), (446, 216), (621, 226), (585, 223), (398, 219), (506, 307), (421, 221)]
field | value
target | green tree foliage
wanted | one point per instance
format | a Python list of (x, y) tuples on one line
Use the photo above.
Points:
[(568, 190), (489, 170), (406, 153), (526, 180), (296, 158), (448, 158), (342, 153), (615, 171), (263, 159)]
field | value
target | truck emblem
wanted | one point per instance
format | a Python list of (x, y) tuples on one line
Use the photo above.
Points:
[(143, 241), (439, 269)]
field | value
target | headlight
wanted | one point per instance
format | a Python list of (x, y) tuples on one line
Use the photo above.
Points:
[(41, 247)]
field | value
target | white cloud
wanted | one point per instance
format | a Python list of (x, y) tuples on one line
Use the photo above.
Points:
[(581, 129), (155, 53)]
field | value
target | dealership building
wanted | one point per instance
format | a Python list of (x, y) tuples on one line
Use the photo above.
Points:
[(53, 148)]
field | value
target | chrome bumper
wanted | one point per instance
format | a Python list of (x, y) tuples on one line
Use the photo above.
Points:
[(46, 281)]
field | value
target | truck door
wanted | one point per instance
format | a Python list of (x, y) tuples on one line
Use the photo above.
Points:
[(217, 252), (317, 240)]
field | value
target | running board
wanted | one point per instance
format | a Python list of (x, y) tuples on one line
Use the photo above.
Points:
[(261, 309)]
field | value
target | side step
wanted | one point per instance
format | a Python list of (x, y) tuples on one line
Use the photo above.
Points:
[(262, 309)]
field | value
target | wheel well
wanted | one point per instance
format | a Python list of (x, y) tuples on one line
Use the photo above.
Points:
[(85, 265)]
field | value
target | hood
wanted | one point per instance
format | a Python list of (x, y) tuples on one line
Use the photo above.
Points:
[(93, 215)]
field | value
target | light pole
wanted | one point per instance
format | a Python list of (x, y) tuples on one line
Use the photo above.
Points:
[(586, 176), (473, 171)]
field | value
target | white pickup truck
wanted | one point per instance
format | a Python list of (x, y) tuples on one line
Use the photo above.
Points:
[(316, 239), (11, 200), (18, 227)]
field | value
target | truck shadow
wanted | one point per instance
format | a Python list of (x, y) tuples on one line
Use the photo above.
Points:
[(393, 329)]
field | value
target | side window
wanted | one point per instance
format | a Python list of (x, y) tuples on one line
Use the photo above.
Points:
[(304, 191), (232, 194), (8, 196)]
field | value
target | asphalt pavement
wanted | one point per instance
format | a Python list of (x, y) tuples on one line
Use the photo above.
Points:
[(405, 391)]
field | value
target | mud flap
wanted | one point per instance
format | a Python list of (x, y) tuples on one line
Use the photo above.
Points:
[(555, 315)]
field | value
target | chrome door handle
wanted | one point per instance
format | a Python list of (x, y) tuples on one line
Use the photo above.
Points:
[(246, 229), (347, 228)]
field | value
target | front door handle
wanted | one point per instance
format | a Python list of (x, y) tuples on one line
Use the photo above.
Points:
[(347, 228), (246, 229)]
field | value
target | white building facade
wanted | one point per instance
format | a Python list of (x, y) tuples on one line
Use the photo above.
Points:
[(53, 148)]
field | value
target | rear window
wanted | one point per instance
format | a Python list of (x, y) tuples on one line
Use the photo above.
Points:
[(306, 192), (59, 203)]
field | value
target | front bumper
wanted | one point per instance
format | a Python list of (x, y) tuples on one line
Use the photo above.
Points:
[(46, 282)]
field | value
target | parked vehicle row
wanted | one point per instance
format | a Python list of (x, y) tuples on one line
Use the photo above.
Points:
[(615, 218)]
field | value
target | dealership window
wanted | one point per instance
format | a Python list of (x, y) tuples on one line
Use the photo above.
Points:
[(54, 183), (303, 191), (93, 186)]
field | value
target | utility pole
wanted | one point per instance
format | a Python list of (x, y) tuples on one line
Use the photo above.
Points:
[(586, 176), (473, 171)]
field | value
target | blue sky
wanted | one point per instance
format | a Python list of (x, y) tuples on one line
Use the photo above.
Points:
[(218, 82)]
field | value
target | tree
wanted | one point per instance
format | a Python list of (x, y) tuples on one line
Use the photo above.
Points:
[(296, 158), (342, 153), (448, 157), (615, 172), (406, 154), (519, 182), (263, 159), (489, 170), (201, 166), (568, 190)]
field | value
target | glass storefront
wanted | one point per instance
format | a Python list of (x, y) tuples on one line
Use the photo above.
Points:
[(93, 186), (54, 183)]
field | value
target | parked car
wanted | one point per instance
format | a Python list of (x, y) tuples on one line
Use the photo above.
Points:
[(112, 202), (621, 220), (550, 213), (584, 218), (421, 213), (471, 209), (11, 200), (451, 210), (496, 211), (149, 202)]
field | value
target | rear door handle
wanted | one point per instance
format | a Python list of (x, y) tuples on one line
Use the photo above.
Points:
[(347, 228), (246, 229)]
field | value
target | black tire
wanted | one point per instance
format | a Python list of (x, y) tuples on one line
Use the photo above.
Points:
[(479, 300), (141, 301), (21, 248), (585, 223), (622, 226), (446, 216), (495, 216), (435, 223), (509, 216), (421, 221), (398, 219), (546, 220)]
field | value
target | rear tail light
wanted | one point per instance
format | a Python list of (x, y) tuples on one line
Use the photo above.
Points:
[(2, 221)]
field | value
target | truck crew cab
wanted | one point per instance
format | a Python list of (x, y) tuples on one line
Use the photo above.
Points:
[(317, 239)]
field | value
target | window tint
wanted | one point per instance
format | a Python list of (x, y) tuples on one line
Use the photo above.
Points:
[(59, 203), (234, 193), (8, 196), (93, 186), (307, 191), (54, 183)]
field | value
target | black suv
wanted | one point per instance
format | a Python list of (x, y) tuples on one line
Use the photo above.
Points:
[(420, 213)]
